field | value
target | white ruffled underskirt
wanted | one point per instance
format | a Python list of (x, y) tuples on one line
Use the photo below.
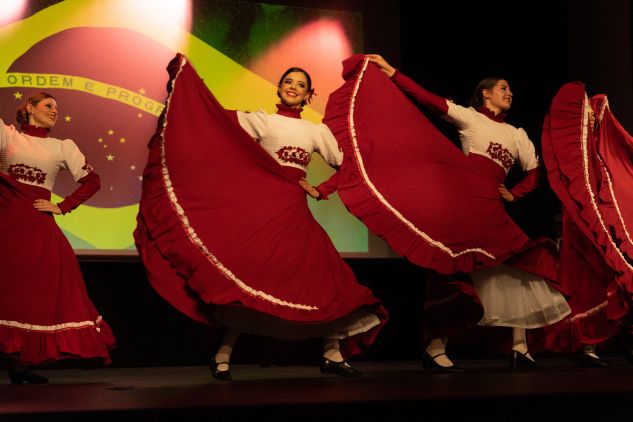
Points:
[(515, 298)]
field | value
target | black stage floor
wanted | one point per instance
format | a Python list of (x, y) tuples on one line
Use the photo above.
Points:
[(389, 391)]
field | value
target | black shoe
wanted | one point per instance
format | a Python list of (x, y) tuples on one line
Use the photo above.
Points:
[(585, 360), (429, 362), (220, 375), (28, 376), (342, 369), (518, 359)]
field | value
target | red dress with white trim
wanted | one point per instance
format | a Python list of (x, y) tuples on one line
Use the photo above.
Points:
[(224, 228), (45, 312), (590, 170), (434, 204)]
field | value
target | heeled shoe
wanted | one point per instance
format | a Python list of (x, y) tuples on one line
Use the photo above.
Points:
[(429, 362), (518, 359), (342, 369), (220, 375), (584, 360), (28, 376)]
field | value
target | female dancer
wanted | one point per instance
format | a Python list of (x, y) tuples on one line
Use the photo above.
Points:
[(45, 312), (461, 224), (248, 256)]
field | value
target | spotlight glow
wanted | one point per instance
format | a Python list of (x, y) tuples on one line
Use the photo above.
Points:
[(11, 10), (169, 17)]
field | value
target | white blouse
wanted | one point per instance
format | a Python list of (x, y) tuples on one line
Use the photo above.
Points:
[(291, 141), (501, 142), (37, 161)]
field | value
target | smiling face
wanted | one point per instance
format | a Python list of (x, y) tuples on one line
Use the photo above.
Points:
[(43, 113), (294, 89), (498, 98)]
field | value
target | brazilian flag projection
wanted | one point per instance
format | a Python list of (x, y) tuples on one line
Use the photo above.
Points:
[(104, 61)]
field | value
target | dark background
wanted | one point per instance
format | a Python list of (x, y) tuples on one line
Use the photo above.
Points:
[(446, 46)]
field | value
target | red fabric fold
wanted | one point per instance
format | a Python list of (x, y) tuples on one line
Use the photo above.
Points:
[(596, 302), (591, 171)]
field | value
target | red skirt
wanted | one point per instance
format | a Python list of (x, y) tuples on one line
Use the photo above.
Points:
[(222, 223), (591, 172), (45, 312), (596, 301), (431, 203)]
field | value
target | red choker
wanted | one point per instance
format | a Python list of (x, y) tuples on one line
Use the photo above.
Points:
[(40, 132), (284, 110)]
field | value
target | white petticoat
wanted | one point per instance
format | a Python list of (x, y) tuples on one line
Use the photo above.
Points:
[(515, 298)]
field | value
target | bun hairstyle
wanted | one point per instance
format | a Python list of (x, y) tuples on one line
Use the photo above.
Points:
[(308, 78), (22, 115), (477, 100)]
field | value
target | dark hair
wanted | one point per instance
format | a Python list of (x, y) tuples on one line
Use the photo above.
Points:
[(308, 78), (22, 115), (477, 99)]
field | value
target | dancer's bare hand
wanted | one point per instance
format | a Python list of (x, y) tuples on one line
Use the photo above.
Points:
[(382, 64), (46, 206)]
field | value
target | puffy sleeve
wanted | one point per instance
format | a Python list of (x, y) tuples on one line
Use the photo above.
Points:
[(534, 173), (526, 153), (462, 117), (75, 162), (327, 146), (256, 124), (4, 134)]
